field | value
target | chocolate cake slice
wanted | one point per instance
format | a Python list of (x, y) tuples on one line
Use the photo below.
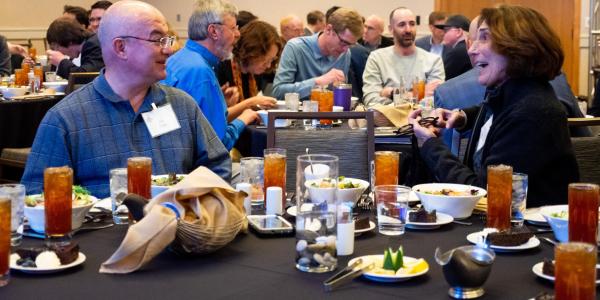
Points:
[(361, 223), (422, 216), (511, 237), (548, 267), (67, 253)]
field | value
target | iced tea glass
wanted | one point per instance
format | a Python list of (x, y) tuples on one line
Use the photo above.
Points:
[(5, 209), (275, 170), (139, 176), (58, 190), (575, 271), (252, 172), (38, 71), (499, 190), (583, 212), (326, 105), (385, 168), (20, 77)]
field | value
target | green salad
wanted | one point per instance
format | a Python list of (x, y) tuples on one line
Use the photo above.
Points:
[(81, 197)]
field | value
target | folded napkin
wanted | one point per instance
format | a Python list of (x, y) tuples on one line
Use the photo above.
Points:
[(390, 115), (481, 204), (204, 213)]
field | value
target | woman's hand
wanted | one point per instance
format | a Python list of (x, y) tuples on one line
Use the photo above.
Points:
[(261, 102), (422, 133), (450, 118)]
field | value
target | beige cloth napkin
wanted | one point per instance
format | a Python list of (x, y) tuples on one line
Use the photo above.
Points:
[(212, 214), (396, 116)]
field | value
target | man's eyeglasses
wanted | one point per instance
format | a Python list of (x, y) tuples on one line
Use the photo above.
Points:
[(234, 28), (343, 42), (163, 42)]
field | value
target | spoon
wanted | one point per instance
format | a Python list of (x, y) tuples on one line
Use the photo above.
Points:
[(550, 241), (310, 161), (462, 223)]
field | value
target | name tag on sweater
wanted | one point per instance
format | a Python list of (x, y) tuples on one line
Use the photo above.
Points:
[(161, 120)]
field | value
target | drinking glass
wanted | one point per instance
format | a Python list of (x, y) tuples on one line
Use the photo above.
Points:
[(38, 71), (58, 190), (310, 106), (418, 89), (385, 168), (316, 204), (139, 176), (20, 77), (342, 95), (275, 170), (575, 271), (583, 212), (392, 208), (5, 239), (499, 189), (252, 172), (26, 67), (118, 185), (326, 105), (345, 228), (519, 198), (16, 194), (50, 76), (292, 101)]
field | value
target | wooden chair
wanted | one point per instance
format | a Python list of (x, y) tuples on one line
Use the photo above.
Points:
[(77, 80), (587, 150), (12, 163), (354, 147)]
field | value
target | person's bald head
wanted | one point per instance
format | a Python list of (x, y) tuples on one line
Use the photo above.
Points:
[(373, 29), (291, 26)]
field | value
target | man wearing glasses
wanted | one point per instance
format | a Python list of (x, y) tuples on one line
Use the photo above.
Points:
[(391, 67), (320, 59), (456, 59), (212, 31), (125, 113)]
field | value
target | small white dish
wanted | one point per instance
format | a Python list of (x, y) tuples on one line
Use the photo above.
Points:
[(378, 259), (105, 203), (537, 270), (372, 226), (534, 217), (477, 237), (293, 210), (13, 265), (442, 219)]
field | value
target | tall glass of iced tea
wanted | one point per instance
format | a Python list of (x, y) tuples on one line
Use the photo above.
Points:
[(139, 176), (386, 168), (583, 212), (275, 170), (326, 105), (5, 216), (575, 271), (499, 190), (58, 204)]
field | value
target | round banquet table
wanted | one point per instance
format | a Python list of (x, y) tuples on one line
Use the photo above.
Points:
[(263, 268)]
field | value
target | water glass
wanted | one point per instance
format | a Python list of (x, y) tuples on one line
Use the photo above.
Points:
[(519, 198), (310, 106), (392, 208), (292, 101), (58, 205), (118, 185), (16, 194), (5, 240), (252, 172), (575, 271), (51, 76)]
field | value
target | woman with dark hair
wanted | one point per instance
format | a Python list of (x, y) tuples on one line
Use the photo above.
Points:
[(255, 53), (520, 123)]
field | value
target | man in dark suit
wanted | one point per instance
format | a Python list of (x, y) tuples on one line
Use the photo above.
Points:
[(456, 59), (68, 39), (433, 42), (372, 38)]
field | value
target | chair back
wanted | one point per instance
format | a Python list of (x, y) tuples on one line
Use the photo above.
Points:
[(354, 147), (77, 80), (588, 158)]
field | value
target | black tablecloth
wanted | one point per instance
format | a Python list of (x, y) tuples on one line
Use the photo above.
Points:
[(263, 268), (20, 119)]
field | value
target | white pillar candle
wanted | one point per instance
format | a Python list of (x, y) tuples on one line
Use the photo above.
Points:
[(273, 199), (247, 188)]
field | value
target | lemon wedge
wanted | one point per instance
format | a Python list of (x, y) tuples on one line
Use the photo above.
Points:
[(415, 267)]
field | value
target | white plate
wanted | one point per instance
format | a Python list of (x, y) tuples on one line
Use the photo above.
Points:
[(442, 219), (412, 197), (372, 226), (476, 237), (537, 270), (293, 210), (533, 216), (105, 203), (386, 278), (13, 265)]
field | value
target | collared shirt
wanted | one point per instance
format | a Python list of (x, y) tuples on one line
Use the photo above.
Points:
[(301, 62), (94, 130), (192, 70), (436, 49)]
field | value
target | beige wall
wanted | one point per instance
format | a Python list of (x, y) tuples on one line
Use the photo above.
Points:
[(15, 24)]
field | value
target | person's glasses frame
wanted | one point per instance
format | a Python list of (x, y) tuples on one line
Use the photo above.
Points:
[(164, 42), (234, 28), (342, 41)]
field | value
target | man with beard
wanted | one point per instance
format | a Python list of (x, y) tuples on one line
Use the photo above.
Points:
[(319, 59), (212, 31), (390, 67)]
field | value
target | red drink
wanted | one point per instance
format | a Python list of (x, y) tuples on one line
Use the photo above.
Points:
[(5, 217), (139, 176), (275, 170), (499, 190), (386, 167), (58, 202), (575, 271), (583, 212)]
